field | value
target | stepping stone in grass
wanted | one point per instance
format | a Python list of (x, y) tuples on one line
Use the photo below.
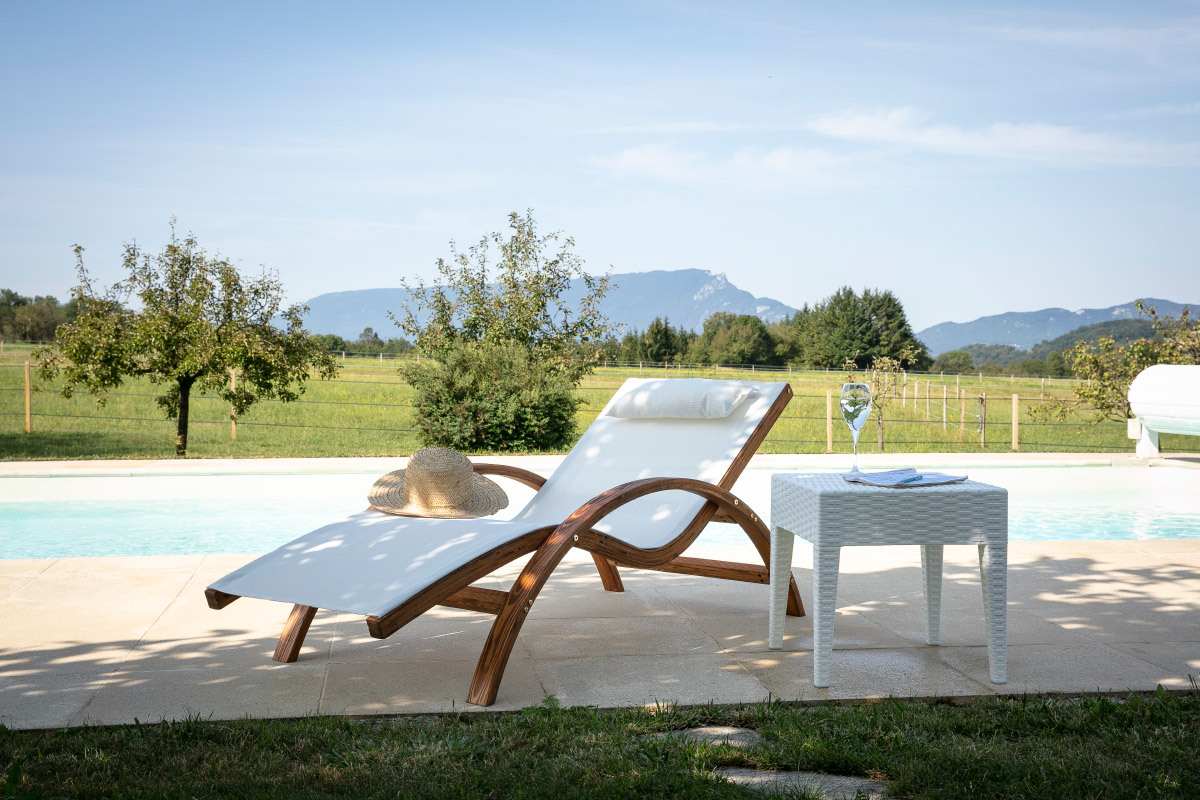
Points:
[(835, 787), (716, 734)]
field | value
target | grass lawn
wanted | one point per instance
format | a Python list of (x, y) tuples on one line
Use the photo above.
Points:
[(367, 411), (1142, 747)]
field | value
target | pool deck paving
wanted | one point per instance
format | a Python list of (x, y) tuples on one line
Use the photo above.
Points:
[(111, 640)]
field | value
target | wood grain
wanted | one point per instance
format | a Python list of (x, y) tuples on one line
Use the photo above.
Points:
[(725, 570), (385, 625), (476, 598), (295, 629), (530, 479), (219, 600), (609, 576)]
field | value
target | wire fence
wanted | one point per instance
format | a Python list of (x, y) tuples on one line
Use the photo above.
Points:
[(366, 412)]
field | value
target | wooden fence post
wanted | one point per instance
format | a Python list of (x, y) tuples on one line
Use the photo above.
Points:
[(928, 386), (945, 397), (957, 378), (232, 409), (904, 395), (829, 421), (962, 410), (28, 409), (1016, 441), (981, 378), (982, 420)]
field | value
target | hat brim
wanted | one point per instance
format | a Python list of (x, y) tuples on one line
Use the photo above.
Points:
[(387, 495)]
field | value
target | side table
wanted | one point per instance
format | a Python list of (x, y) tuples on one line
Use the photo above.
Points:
[(830, 512)]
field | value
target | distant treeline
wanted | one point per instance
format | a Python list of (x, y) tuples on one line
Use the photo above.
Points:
[(32, 319), (1045, 358), (846, 325), (367, 342)]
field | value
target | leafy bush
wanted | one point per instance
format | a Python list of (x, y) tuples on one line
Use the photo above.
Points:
[(484, 396)]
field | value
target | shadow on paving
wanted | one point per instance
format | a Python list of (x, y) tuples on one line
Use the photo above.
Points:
[(1113, 623)]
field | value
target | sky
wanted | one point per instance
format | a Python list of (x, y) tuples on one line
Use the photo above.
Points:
[(972, 158)]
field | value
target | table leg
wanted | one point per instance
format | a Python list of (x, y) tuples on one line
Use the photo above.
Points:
[(826, 562), (782, 542), (993, 572), (931, 570)]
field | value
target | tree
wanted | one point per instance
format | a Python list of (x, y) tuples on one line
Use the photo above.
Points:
[(515, 324), (729, 338), (32, 319), (660, 343), (199, 319), (1105, 369), (953, 361), (861, 327)]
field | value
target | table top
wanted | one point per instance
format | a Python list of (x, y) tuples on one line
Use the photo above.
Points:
[(833, 483), (824, 508)]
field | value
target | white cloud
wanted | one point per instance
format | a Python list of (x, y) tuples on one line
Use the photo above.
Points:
[(1028, 141), (752, 166)]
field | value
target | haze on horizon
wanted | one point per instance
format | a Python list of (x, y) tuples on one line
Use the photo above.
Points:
[(973, 159)]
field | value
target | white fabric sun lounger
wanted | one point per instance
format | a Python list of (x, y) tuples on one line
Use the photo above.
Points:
[(636, 490)]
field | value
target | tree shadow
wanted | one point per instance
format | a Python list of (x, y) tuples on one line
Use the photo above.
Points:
[(1142, 600)]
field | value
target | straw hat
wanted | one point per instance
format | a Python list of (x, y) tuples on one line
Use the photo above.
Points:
[(438, 482)]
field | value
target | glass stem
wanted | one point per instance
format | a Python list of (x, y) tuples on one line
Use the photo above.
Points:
[(854, 462)]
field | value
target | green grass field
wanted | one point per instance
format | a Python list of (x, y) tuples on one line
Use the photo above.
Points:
[(367, 411)]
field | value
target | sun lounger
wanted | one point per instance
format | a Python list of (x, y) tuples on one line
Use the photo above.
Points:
[(654, 468)]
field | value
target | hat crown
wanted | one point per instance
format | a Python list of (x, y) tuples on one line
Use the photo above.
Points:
[(437, 477)]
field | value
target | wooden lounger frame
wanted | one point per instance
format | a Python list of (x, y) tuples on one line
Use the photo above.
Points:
[(550, 544)]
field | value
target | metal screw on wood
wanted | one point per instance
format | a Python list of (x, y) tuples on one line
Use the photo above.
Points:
[(575, 537)]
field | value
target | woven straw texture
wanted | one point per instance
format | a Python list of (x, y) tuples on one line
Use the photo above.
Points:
[(438, 482), (831, 513)]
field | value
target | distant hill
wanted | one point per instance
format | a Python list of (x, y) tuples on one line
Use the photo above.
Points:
[(1122, 331), (685, 296), (1024, 329)]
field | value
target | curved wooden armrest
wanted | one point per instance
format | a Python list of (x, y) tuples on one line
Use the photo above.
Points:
[(530, 479), (584, 518)]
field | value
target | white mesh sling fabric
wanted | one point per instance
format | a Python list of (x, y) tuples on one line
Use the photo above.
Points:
[(373, 562)]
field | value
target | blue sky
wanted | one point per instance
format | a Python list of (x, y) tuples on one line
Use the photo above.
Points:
[(974, 159)]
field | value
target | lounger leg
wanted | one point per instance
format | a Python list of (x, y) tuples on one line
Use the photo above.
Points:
[(503, 635), (762, 542), (294, 631), (608, 574)]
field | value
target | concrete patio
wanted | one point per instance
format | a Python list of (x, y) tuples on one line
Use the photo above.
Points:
[(110, 640)]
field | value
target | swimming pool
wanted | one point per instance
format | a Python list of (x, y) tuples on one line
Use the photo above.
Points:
[(166, 515)]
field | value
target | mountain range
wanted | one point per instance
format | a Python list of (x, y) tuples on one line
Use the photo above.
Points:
[(1024, 329), (686, 297)]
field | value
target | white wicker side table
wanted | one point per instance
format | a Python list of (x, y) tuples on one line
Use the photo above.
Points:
[(831, 513)]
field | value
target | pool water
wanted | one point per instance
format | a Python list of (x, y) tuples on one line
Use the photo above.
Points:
[(132, 516)]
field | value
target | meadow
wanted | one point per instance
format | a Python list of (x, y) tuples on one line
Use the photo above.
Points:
[(367, 411)]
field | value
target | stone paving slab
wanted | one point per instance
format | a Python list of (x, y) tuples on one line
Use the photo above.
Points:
[(86, 643)]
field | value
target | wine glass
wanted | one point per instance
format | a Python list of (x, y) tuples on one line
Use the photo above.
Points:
[(856, 407)]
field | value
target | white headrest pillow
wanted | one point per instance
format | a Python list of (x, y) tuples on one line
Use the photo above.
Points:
[(686, 398)]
